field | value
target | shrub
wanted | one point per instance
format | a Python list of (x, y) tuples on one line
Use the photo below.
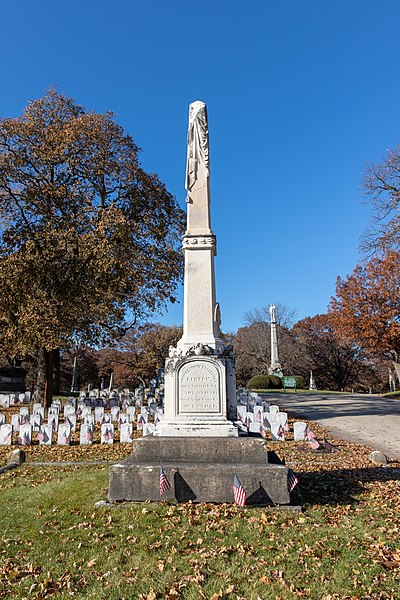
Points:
[(264, 382)]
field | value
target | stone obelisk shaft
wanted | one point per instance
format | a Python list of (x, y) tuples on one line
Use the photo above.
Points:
[(201, 315)]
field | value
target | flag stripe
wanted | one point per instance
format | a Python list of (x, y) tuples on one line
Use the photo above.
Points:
[(239, 494)]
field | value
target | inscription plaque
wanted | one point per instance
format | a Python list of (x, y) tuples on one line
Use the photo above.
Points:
[(199, 388)]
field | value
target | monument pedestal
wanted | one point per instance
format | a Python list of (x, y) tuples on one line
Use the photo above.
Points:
[(200, 471), (199, 396)]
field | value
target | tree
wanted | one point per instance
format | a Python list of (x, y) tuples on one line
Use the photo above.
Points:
[(335, 363), (366, 308), (381, 185), (285, 315), (88, 238), (252, 349), (139, 354)]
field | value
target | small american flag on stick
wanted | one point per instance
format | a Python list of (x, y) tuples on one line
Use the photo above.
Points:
[(164, 483), (311, 438), (239, 494), (292, 480)]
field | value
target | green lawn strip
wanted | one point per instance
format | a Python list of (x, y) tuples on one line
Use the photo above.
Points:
[(54, 543)]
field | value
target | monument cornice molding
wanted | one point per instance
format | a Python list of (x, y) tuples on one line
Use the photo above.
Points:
[(196, 241)]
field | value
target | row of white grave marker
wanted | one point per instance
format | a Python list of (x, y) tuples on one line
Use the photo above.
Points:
[(259, 417), (63, 434)]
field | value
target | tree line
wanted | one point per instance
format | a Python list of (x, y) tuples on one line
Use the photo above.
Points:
[(90, 249)]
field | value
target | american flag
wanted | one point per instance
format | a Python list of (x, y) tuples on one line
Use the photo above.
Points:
[(292, 480), (239, 494), (280, 433), (164, 483), (311, 438), (263, 431)]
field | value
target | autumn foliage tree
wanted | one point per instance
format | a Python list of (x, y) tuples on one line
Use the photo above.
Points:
[(137, 357), (336, 363), (366, 308), (87, 237)]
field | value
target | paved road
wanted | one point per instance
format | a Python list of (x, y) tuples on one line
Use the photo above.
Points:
[(365, 419)]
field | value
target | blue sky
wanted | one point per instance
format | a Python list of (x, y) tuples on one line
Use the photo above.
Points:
[(300, 96)]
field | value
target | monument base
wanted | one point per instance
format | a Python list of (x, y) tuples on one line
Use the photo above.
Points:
[(200, 472), (192, 429)]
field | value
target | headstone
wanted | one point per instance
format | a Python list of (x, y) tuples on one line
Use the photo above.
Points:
[(69, 409), (106, 418), (130, 413), (241, 410), (86, 435), (148, 429), (282, 418), (38, 409), (35, 421), (52, 420), (300, 431), (98, 414), (71, 421), (88, 420), (277, 432), (45, 435), (2, 419), (115, 413), (6, 435), (16, 421), (126, 433), (25, 435), (107, 433), (274, 408), (5, 400), (123, 418), (257, 411), (64, 434)]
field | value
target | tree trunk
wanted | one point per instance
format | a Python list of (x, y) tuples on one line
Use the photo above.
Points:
[(48, 362)]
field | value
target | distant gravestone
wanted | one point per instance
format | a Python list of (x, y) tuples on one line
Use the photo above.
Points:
[(98, 414), (86, 435), (36, 421), (16, 422), (107, 433), (25, 435), (52, 420), (148, 429), (64, 434), (2, 419), (126, 433), (71, 421), (273, 409), (257, 411), (6, 435), (45, 435), (300, 431), (277, 432)]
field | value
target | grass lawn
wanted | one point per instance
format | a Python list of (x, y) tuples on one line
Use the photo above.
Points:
[(344, 545)]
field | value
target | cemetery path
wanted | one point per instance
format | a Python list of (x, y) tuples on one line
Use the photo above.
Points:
[(365, 419)]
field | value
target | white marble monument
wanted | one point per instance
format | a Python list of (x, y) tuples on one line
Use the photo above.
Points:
[(275, 368), (200, 383)]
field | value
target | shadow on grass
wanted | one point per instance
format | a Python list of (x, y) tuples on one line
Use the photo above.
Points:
[(339, 486)]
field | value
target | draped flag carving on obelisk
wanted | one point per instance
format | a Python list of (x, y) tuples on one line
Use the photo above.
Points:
[(200, 382)]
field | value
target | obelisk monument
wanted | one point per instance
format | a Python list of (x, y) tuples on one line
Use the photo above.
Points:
[(200, 382), (275, 368)]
